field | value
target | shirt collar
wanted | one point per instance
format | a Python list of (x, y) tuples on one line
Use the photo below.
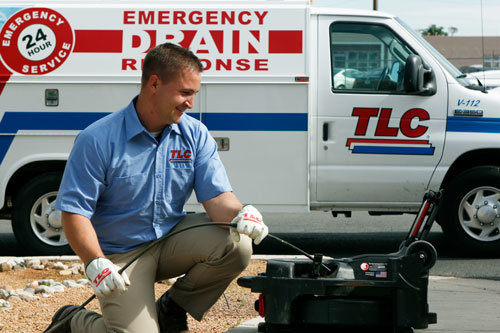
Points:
[(133, 125), (175, 128)]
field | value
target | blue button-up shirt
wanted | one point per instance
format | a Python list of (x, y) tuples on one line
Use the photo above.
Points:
[(132, 187)]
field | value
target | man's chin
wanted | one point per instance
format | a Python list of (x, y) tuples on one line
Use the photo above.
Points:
[(178, 119)]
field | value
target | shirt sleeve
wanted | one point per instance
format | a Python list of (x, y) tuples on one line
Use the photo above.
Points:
[(210, 176), (83, 178)]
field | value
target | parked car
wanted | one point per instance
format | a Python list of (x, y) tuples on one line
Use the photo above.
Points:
[(345, 78), (475, 68), (490, 79)]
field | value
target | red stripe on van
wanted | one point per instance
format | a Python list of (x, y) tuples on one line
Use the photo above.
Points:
[(98, 41), (285, 41)]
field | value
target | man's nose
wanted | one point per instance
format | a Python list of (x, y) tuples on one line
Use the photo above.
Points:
[(189, 102)]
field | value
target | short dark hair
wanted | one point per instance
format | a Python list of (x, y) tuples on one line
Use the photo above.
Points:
[(167, 60)]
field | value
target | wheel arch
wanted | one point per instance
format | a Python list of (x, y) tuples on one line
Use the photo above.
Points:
[(27, 172), (471, 159)]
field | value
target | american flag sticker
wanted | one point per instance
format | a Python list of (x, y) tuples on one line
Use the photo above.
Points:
[(381, 274)]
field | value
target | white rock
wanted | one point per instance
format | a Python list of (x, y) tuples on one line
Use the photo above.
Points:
[(4, 294), (29, 290), (58, 289), (44, 289), (76, 265), (38, 267), (33, 262), (5, 267), (33, 284), (83, 282), (27, 296), (71, 283), (12, 262), (60, 266), (49, 282)]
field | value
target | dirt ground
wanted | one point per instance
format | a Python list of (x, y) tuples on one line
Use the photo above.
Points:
[(36, 315)]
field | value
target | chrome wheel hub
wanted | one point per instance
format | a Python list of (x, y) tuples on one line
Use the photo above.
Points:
[(46, 221), (479, 213)]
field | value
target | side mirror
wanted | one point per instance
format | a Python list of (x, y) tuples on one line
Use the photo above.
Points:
[(419, 77)]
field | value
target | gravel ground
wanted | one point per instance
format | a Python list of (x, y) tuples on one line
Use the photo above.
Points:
[(36, 315)]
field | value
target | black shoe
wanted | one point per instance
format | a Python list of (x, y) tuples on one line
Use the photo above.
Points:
[(59, 316), (171, 317)]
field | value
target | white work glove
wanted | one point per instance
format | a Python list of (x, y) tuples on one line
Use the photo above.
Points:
[(249, 222), (104, 277)]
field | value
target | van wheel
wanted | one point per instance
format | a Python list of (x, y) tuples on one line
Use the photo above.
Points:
[(36, 224), (470, 215)]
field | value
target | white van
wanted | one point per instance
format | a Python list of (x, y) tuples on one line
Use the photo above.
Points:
[(312, 108)]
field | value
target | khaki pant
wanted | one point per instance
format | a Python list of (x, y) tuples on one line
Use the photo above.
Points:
[(207, 256)]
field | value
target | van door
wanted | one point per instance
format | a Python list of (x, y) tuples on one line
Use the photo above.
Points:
[(377, 145)]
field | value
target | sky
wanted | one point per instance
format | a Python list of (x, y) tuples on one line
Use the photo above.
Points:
[(419, 14)]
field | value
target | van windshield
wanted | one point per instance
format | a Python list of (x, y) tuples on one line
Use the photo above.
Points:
[(448, 66)]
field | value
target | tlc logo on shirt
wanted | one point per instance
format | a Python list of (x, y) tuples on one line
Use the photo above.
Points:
[(180, 156)]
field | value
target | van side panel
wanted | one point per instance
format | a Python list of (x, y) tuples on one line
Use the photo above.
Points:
[(266, 125)]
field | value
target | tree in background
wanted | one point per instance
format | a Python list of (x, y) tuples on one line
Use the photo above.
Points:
[(452, 30), (434, 30)]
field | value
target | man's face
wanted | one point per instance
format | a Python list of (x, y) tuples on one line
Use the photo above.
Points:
[(174, 97)]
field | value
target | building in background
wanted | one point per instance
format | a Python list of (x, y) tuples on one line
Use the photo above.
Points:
[(466, 52)]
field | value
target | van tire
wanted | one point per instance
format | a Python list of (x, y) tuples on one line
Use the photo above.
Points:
[(35, 223), (470, 212)]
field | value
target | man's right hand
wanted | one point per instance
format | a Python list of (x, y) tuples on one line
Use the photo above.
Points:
[(104, 277)]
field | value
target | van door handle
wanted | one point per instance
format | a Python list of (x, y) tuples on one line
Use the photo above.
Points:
[(325, 132)]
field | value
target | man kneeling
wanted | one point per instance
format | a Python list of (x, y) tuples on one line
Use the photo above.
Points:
[(125, 184)]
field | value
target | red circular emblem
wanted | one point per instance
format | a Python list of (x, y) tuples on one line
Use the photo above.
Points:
[(364, 266), (36, 41)]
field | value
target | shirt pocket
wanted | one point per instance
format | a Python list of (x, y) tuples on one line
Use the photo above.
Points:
[(180, 182), (128, 191)]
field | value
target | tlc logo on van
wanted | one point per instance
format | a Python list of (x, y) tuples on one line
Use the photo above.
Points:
[(180, 156), (410, 126)]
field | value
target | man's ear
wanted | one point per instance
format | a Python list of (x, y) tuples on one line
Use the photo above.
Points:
[(153, 82)]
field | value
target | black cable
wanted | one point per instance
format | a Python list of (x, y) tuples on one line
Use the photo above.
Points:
[(298, 249), (155, 242)]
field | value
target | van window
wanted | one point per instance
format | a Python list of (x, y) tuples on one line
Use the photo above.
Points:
[(367, 58)]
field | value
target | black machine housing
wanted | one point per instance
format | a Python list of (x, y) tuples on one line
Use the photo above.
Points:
[(372, 292)]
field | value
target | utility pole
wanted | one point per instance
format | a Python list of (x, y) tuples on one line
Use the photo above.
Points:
[(374, 4)]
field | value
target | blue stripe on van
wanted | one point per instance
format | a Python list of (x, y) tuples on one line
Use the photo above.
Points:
[(393, 150), (15, 121), (469, 124), (255, 121)]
